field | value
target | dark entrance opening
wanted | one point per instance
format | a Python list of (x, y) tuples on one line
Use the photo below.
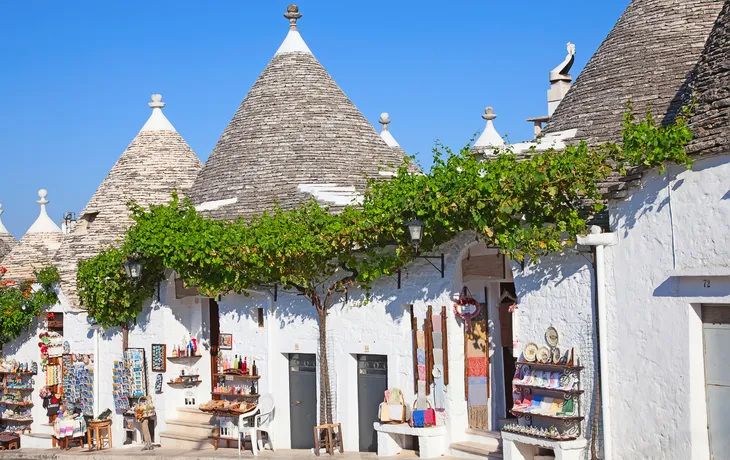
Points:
[(372, 381), (302, 399)]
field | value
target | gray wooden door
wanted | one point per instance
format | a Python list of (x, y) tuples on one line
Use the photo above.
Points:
[(302, 399), (372, 381), (716, 331)]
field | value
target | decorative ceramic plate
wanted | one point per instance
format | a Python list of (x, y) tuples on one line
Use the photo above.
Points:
[(551, 336), (530, 352), (556, 355), (543, 355)]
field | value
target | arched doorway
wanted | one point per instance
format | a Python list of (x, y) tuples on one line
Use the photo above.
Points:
[(485, 274)]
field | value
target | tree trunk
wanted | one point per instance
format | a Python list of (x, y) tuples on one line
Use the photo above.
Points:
[(125, 336), (325, 395)]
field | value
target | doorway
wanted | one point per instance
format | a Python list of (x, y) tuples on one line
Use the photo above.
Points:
[(302, 399), (716, 334), (372, 382), (507, 298)]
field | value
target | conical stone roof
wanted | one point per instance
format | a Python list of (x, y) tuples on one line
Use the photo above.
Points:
[(711, 87), (7, 241), (295, 135), (647, 57), (37, 247), (157, 162)]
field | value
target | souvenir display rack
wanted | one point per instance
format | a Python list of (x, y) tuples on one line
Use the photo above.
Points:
[(78, 381), (15, 413), (547, 392)]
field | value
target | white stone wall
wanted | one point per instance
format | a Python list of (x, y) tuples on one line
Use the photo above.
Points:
[(678, 221), (676, 224), (558, 291)]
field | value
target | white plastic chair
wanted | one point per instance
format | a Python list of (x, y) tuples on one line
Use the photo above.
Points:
[(262, 416)]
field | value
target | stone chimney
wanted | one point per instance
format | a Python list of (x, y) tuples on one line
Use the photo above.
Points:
[(560, 80)]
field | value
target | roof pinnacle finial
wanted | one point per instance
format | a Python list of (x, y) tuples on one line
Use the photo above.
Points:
[(3, 230), (156, 102), (43, 193), (292, 14), (384, 120), (489, 114)]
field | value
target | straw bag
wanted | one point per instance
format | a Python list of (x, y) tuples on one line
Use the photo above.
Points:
[(392, 413), (145, 408)]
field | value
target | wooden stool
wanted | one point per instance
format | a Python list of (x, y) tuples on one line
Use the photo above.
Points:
[(9, 442), (97, 433), (64, 442), (329, 440)]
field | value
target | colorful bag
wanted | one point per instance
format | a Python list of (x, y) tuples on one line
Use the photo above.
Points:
[(423, 418)]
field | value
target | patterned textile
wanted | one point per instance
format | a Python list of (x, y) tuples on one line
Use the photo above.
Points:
[(420, 339), (438, 357), (477, 391), (437, 323), (477, 366), (422, 372), (421, 356), (438, 340)]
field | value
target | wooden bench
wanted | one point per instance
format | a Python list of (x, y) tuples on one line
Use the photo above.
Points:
[(392, 439)]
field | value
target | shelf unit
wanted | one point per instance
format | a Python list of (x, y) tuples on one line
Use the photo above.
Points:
[(568, 426), (18, 405), (238, 376), (220, 393), (184, 358), (3, 387)]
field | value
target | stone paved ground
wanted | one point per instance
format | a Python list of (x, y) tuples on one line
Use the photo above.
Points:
[(161, 453)]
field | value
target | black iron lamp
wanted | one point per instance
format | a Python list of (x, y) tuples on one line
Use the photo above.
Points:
[(133, 267), (415, 232), (415, 235)]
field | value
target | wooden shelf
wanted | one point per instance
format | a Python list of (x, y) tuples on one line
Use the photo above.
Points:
[(183, 358), (567, 418), (537, 387), (17, 373), (189, 382), (218, 393), (17, 388), (17, 420), (238, 376), (20, 404), (559, 367)]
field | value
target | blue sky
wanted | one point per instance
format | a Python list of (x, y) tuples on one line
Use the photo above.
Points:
[(76, 76)]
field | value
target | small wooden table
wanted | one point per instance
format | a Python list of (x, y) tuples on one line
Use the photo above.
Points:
[(329, 440), (98, 433)]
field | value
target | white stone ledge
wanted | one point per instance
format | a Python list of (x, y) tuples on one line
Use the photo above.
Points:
[(404, 428)]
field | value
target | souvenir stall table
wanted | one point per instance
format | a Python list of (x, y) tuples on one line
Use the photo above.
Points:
[(69, 427)]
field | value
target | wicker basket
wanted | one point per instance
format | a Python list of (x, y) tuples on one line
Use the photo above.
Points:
[(145, 408)]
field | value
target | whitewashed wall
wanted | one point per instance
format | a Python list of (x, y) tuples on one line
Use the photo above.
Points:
[(677, 222), (558, 291), (380, 325)]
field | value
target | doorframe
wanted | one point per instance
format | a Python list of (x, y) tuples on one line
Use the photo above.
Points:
[(699, 309), (347, 386)]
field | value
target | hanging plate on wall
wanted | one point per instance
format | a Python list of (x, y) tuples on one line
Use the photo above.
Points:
[(530, 352), (543, 355), (551, 336)]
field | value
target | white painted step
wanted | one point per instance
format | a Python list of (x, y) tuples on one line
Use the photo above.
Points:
[(191, 414), (484, 437), (36, 441), (190, 428), (182, 440), (477, 450)]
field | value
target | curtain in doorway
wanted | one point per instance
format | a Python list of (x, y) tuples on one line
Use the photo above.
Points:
[(476, 349)]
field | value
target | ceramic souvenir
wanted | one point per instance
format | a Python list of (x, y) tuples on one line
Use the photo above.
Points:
[(530, 352), (543, 355), (551, 336), (556, 355)]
